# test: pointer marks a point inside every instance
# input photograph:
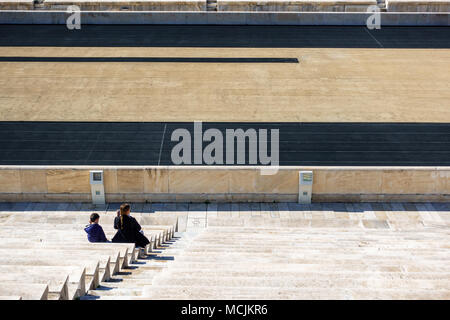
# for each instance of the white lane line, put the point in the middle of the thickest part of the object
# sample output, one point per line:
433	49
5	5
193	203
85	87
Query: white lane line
162	142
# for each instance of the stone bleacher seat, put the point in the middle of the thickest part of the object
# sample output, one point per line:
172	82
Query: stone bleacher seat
296	5
58	262
418	5
76	283
25	291
232	5
123	5
58	283
16	4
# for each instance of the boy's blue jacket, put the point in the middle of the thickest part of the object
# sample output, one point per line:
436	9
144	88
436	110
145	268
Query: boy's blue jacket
95	233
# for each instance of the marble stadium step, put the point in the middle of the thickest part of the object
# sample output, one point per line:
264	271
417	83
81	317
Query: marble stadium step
125	284
108	291
234	231
299	274
302	251
319	242
230	5
26	291
228	258
135	282
309	247
252	293
76	276
286	282
58	287
307	250
128	283
65	236
94	272
312	267
127	252
350	262
109	261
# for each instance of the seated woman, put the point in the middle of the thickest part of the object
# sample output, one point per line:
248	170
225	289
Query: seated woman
128	229
94	230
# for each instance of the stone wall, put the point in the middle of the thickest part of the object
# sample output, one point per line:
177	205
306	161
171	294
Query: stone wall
295	5
16	4
108	5
200	184
300	6
418	5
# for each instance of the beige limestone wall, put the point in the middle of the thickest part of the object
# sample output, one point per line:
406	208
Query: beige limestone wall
295	5
167	183
122	5
16	4
418	5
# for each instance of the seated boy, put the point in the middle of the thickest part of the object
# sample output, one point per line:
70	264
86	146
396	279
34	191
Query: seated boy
94	230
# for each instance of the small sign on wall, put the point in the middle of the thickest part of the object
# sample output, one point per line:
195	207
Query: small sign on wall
97	187
305	187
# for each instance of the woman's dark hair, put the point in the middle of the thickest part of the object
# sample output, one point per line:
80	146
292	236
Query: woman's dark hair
94	217
124	208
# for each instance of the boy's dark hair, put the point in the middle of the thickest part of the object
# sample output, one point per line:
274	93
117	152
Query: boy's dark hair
94	217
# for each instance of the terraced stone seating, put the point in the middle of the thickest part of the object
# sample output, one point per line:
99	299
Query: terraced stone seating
230	5
16	4
418	5
306	263
295	5
123	5
46	255
244	251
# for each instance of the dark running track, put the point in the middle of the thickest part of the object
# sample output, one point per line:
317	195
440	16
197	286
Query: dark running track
224	36
318	144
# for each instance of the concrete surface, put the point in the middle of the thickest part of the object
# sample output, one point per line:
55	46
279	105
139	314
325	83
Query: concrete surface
343	75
